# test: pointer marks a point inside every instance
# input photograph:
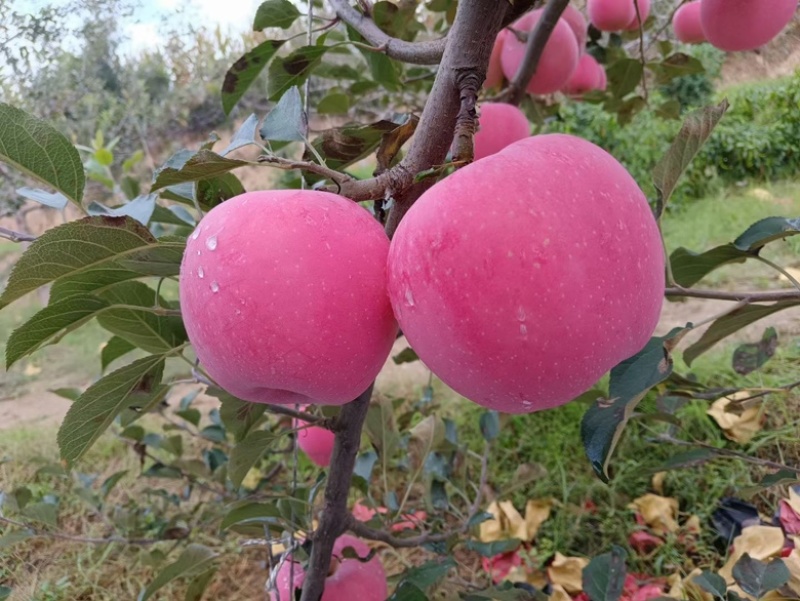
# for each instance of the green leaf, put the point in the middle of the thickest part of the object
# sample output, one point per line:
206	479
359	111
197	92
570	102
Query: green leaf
334	103
783	476
115	348
293	70
40	150
694	132
503	592
140	208
490	425
429	573
765	231
5	591
675	65
198	586
43	513
712	583
733	322
407	355
244	71
624	75
71	394
604	577
215	190
757	578
493	548
247	453
604	421
111	482
751	356
286	122
142	328
406	591
275	13
194	560
54	200
381	427
80	256
12	538
244	136
691	458
238	416
51	323
249	513
191	165
381	67
93	412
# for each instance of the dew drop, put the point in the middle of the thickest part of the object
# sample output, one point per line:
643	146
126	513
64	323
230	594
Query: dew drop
409	297
196	234
214	287
523	329
211	243
521	313
200	272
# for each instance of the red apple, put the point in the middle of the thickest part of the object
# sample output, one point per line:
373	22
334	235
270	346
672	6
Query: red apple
348	579
558	61
522	278
494	72
314	441
586	77
686	23
732	25
611	15
499	125
577	23
283	294
644	12
602	78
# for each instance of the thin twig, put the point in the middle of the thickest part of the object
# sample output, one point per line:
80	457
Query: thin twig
728	453
336	177
749	296
641	47
80	539
15	236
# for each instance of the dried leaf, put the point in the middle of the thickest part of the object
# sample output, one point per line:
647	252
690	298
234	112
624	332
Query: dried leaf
559	594
692	525
760	542
658	512
738	426
507	523
792	562
686	588
567	572
536	513
789	518
657	482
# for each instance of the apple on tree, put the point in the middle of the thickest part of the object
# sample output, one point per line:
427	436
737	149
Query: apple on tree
587	77
732	25
686	23
316	442
611	15
499	125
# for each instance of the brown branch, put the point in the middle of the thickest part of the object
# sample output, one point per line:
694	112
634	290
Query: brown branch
726	453
416	53
749	296
467	119
15	236
80	539
287	164
533	51
641	47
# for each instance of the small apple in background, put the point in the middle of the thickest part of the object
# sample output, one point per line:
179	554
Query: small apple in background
283	294
494	72
576	21
644	12
686	23
602	78
611	15
548	273
348	579
314	441
499	124
733	25
557	63
586	77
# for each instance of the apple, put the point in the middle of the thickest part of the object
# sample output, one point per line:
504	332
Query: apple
522	278
602	78
573	17
732	25
348	579
686	23
499	125
644	12
494	72
611	15
316	442
283	294
558	61
586	77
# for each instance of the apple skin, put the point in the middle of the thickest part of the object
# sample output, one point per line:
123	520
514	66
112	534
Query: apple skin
494	72
586	77
351	581
733	25
499	125
316	442
577	23
521	279
644	12
558	61
686	23
602	78
611	15
283	294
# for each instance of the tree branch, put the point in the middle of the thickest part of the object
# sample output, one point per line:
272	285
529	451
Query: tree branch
81	539
533	52
416	53
336	177
749	296
15	236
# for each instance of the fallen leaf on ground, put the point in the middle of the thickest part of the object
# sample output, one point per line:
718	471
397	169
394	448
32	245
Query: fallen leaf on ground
739	426
536	513
793	563
567	572
686	588
760	542
507	523
643	542
499	566
658	512
559	594
657	482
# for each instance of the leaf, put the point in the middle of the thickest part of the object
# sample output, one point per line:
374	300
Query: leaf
54	200
604	577
712	583
190	165
757	578
732	322
14	537
5	591
198	586
335	103
194	560
603	423
70	394
407	355
429	573
381	427
237	416
365	462
275	13
96	408
115	348
52	322
567	572
490	425
142	328
493	548
251	513
244	136
215	190
44	513
110	482
766	230
40	150
751	356
392	141
406	591
293	70
694	132
691	458
140	208
81	256
286	122
624	75
675	65
244	71
246	454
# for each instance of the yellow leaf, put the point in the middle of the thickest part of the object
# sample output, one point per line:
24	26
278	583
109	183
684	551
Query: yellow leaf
536	513
657	482
658	512
793	563
760	542
692	524
740	426
567	572
525	574
559	594
507	523
687	588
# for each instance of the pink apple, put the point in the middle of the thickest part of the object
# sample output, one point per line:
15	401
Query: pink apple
283	294
602	78
314	441
611	15
348	579
686	23
494	72
577	23
558	61
644	12
586	77
732	25
499	125
522	278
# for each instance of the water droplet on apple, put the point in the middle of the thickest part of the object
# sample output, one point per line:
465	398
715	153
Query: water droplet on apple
211	243
523	329
214	287
200	272
409	297
196	234
521	313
